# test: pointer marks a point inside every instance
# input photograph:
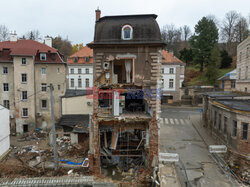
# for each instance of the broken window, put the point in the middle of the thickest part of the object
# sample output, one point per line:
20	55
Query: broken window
6	103
25	128
225	124
123	71
234	128
244	131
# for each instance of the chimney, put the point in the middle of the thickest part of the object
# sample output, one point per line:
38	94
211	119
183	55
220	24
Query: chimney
13	37
48	41
97	14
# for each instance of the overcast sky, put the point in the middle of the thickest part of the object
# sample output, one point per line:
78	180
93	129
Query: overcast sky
75	18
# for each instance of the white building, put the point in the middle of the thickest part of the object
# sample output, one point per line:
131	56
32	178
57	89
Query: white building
172	77
5	131
80	69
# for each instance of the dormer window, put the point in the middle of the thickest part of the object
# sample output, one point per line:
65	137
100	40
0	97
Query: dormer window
43	56
127	32
75	59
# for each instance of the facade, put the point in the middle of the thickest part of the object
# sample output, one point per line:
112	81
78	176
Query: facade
126	108
5	131
172	77
28	68
228	81
243	66
80	69
228	120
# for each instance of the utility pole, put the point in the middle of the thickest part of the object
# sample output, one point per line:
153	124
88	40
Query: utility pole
53	126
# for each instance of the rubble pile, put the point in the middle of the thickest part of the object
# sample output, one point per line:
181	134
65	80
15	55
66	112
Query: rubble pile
36	158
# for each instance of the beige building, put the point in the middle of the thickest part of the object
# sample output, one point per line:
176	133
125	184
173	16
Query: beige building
172	71
227	81
28	68
243	66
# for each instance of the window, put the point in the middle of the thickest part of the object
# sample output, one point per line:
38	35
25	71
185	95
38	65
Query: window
44	104
58	86
232	84
72	83
239	73
247	52
162	83
127	32
5	70
24	77
25	128
23	61
79	71
5	87
171	70
25	112
234	128
87	70
240	56
44	87
244	131
24	95
71	71
162	70
43	71
79	83
87	59
225	125
245	89
6	103
219	122
75	59
58	70
171	83
87	83
43	56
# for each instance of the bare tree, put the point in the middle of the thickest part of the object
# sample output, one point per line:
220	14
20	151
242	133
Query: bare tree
33	35
186	32
241	29
214	19
4	33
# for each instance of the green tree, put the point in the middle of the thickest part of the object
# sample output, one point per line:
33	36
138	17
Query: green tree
63	45
226	60
212	67
203	41
77	47
186	55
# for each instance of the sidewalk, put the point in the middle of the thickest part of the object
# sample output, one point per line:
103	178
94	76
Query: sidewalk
204	133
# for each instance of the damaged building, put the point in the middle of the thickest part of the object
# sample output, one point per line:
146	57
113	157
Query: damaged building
124	126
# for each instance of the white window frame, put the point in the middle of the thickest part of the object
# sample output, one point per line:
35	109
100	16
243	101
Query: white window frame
87	81
43	55
131	32
171	70
6	87
43	71
87	70
5	70
23	77
23	112
44	85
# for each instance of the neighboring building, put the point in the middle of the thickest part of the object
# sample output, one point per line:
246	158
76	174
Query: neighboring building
124	127
227	82
28	68
227	116
243	66
76	108
80	69
5	131
172	70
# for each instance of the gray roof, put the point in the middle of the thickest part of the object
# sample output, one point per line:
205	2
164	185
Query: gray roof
75	93
221	94
243	105
145	30
76	123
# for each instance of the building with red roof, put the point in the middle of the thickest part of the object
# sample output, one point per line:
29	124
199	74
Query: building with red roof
28	68
80	69
172	77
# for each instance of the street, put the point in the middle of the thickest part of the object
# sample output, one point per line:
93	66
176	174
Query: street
177	135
